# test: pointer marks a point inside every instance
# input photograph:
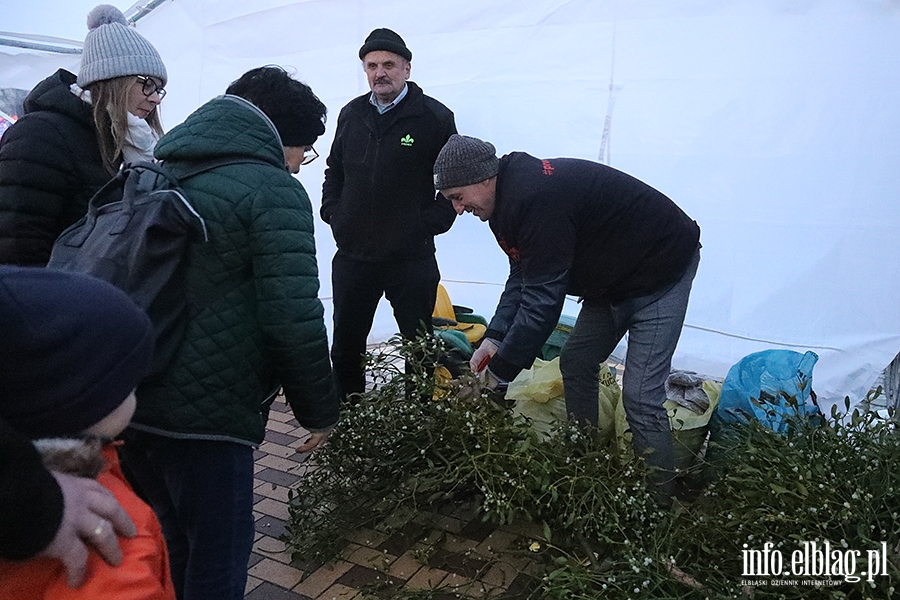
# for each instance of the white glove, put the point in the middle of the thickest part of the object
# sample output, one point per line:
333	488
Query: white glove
483	355
492	382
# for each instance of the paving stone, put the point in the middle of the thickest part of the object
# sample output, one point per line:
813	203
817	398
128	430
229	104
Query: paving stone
405	566
520	587
433	538
270	507
268	545
300	457
454	581
467	512
467	566
277	477
358	576
368	557
280	406
448	523
279	463
281	438
368	537
280	427
477	530
272	571
273	491
339	592
426	578
252	582
459	545
271	526
526	529
468	588
323	578
402	540
277	449
270	591
281	417
254	558
498	541
500	574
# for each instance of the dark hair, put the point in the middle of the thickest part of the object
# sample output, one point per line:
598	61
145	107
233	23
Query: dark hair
298	115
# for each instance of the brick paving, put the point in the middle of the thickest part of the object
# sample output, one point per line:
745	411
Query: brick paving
454	552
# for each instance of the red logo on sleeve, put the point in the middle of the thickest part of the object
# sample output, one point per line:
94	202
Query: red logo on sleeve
548	168
513	253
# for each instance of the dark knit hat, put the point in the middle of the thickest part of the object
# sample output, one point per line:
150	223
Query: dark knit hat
385	39
114	49
72	348
463	161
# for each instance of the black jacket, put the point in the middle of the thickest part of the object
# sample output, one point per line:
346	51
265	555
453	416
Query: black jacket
378	194
576	227
50	166
31	502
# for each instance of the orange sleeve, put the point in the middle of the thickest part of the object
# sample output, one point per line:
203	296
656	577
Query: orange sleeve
143	575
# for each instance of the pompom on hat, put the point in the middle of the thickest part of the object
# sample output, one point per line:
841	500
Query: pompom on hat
385	39
72	348
114	49
463	161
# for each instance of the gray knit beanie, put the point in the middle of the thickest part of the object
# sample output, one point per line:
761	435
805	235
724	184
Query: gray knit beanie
463	161
113	49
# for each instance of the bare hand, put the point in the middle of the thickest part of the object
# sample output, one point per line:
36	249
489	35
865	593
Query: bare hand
91	516
315	440
483	355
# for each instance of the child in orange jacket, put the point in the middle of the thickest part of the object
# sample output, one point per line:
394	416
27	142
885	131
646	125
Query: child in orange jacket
73	350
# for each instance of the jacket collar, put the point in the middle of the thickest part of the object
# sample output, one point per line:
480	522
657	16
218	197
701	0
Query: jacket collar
413	105
53	95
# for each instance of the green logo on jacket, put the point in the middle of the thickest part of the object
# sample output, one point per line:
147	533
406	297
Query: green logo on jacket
406	140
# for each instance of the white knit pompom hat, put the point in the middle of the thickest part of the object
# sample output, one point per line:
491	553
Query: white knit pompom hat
113	49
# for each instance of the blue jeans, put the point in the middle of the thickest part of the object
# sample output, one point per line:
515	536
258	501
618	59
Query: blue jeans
654	325
202	493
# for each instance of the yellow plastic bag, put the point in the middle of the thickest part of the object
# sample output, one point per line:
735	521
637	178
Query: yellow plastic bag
540	397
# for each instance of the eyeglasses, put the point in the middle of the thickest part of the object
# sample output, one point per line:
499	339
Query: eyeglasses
309	156
149	87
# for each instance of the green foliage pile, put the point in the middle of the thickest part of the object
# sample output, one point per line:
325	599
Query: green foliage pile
394	457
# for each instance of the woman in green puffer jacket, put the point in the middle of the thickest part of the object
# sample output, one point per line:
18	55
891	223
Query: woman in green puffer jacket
256	327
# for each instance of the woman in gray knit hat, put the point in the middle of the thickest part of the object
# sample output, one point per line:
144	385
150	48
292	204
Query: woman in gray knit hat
75	134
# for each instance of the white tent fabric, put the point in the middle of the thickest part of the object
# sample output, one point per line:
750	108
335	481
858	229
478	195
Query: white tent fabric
773	123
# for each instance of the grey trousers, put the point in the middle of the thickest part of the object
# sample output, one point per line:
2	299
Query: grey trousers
653	324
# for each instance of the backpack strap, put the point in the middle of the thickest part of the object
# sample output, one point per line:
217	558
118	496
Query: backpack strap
197	167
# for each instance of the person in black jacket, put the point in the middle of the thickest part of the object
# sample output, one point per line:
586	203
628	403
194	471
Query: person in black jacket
74	135
379	199
572	226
